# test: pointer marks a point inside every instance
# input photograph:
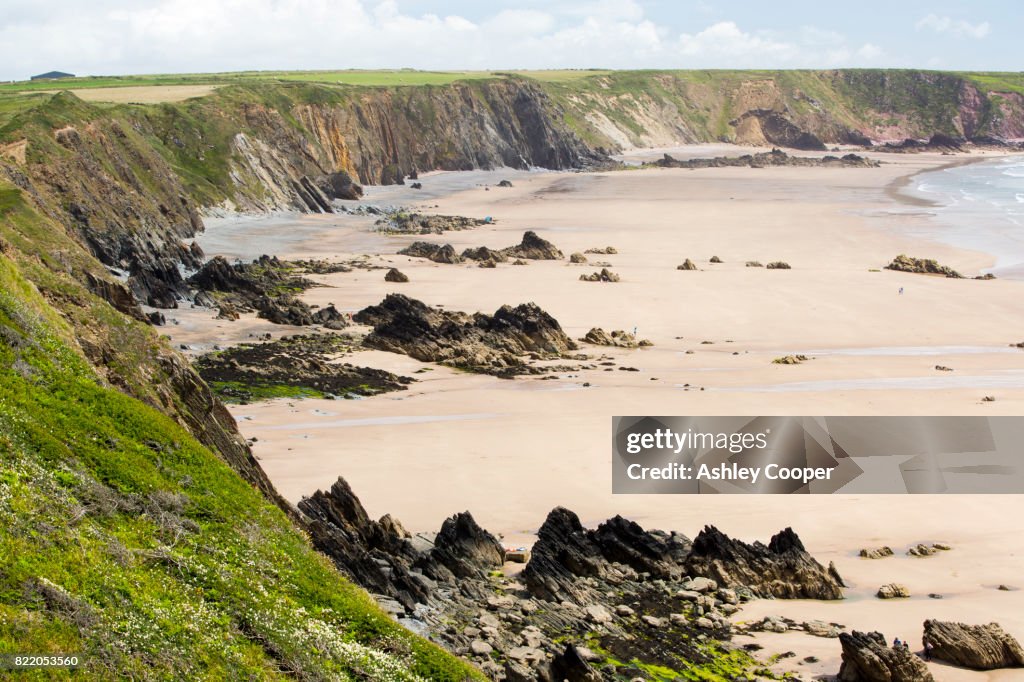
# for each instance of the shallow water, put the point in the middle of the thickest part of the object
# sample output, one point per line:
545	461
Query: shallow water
980	207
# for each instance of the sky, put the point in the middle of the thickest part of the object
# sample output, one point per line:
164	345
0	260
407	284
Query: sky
117	37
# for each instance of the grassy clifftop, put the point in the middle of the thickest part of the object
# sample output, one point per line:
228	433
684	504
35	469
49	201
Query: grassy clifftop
127	541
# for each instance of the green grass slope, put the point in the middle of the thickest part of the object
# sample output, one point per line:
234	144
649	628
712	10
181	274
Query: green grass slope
124	540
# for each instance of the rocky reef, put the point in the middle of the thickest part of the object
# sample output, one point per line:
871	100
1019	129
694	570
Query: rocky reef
403	222
266	286
867	657
293	366
775	157
978	647
611	603
500	344
923	266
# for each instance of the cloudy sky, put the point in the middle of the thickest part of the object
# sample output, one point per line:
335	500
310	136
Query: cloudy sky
108	37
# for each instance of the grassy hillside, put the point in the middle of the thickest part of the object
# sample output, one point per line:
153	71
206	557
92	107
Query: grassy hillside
126	541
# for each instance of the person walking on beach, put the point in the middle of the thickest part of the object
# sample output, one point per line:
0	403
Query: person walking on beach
928	650
901	291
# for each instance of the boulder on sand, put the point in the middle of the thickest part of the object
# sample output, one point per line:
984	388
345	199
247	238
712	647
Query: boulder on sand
687	265
605	275
532	247
395	275
867	657
978	647
432	252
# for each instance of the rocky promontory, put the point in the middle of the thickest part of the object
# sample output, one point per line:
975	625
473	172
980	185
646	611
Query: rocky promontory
867	657
611	603
978	647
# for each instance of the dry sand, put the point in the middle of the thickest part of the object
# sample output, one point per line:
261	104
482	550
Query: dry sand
511	450
140	94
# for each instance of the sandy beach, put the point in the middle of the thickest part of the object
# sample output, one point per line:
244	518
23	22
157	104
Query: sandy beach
511	450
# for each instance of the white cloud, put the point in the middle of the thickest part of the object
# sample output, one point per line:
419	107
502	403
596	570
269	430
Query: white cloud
956	27
168	36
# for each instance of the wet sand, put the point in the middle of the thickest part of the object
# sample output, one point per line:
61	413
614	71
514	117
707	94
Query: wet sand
511	450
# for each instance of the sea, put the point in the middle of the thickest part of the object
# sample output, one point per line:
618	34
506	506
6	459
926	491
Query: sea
979	206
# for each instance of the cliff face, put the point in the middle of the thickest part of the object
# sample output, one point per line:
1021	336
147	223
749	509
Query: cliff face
789	108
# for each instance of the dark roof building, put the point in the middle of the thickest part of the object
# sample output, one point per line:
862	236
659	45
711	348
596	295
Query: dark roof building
51	75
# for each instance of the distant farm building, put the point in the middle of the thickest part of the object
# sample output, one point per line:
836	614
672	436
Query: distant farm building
52	75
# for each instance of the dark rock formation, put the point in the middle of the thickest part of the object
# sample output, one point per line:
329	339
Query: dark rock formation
618	338
778	265
775	157
249	371
783	569
339	185
505	183
978	647
577	258
419	223
868	658
494	344
433	252
484	254
687	265
532	247
924	266
395	275
607	250
604	275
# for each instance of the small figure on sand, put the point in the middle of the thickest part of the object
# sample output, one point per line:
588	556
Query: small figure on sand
901	291
634	331
928	650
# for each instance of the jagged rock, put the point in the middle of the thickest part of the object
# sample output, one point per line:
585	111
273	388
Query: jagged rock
404	222
577	258
687	265
876	553
617	338
754	264
923	550
605	275
156	318
925	266
532	247
484	255
782	569
868	658
893	591
778	265
978	647
607	250
790	360
395	275
339	186
493	344
433	252
466	549
571	667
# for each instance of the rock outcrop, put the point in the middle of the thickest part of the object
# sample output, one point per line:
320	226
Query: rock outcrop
603	275
868	658
533	247
924	266
687	265
500	344
978	647
395	275
251	371
782	569
433	252
402	222
618	338
263	286
485	255
775	157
